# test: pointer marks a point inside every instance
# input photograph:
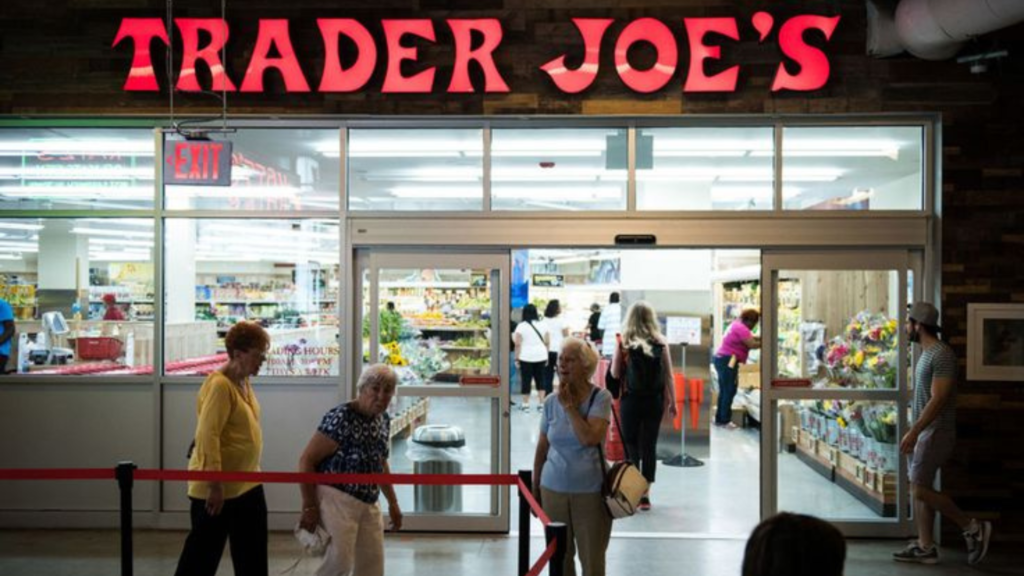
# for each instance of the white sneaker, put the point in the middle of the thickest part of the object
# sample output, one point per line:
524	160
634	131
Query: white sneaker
978	535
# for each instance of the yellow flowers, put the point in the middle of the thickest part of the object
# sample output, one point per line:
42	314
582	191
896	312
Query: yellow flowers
858	358
842	422
394	357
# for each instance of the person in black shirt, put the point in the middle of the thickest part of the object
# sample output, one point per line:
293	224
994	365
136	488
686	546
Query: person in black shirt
593	332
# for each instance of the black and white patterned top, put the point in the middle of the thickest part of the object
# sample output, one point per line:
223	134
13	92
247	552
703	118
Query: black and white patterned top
939	361
363	448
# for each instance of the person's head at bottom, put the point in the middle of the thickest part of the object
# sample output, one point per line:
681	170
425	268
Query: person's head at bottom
375	389
794	545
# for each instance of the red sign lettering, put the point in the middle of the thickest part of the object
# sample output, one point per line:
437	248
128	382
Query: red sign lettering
697	80
142	31
484	55
274	33
575	81
335	79
218	31
394	30
814	66
658	35
811	63
199	164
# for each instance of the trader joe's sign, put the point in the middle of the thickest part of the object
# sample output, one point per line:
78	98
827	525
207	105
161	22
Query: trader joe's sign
802	66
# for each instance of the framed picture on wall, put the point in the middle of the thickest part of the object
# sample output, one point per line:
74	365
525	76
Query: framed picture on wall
995	342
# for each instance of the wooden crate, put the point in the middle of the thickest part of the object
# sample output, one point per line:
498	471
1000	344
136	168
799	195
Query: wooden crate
849	464
807	442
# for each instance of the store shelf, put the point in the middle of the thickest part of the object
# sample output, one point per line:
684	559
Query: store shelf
448	329
466	348
881	502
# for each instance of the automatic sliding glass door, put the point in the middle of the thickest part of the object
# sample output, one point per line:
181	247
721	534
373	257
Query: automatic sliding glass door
439	320
835	402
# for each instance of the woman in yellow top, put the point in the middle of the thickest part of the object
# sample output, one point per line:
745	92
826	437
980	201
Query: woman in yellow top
228	438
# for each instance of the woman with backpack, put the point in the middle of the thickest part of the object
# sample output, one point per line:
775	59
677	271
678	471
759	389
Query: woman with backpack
531	340
643	364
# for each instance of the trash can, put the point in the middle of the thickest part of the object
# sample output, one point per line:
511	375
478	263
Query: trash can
438	449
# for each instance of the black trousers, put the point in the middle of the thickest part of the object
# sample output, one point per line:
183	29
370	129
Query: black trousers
243	521
532	372
549	372
641	419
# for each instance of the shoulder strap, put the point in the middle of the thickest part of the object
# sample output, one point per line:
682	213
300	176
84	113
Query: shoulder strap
538	334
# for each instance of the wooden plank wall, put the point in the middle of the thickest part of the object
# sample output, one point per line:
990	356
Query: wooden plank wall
56	58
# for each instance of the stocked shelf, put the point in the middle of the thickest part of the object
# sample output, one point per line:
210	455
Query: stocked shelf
874	487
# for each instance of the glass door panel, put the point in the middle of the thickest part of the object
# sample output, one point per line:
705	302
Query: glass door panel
435	318
834	344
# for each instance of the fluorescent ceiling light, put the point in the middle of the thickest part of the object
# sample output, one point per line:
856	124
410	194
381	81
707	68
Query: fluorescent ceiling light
98	192
232	192
19	246
10	257
272	231
108	232
76	172
20	226
119	256
64	146
145	223
427	192
121	242
577	194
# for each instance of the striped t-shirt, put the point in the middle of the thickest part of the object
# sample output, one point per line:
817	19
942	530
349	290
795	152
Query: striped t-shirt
938	361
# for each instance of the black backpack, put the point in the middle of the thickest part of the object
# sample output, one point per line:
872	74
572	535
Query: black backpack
644	373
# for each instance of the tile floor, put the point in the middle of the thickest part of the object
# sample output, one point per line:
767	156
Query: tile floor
95	553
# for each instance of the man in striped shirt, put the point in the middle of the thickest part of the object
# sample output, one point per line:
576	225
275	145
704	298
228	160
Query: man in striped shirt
931	439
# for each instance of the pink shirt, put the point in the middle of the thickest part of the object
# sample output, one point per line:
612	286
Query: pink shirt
733	344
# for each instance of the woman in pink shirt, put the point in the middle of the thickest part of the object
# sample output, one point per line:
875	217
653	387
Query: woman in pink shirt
735	348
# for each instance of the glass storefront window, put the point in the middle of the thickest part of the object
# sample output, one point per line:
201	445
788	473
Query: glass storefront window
843	460
839	329
559	169
81	295
853	168
76	168
272	170
705	169
415	170
283	274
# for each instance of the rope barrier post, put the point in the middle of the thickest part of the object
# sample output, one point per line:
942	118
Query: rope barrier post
125	474
558	532
524	523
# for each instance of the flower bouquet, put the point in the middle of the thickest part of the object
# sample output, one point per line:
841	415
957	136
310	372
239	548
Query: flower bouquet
425	358
865	355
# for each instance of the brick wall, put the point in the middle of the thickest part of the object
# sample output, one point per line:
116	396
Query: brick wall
56	58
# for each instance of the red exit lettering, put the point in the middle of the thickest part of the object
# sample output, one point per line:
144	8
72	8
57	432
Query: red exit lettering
193	162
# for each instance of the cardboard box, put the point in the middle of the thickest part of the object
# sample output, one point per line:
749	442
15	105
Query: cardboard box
749	376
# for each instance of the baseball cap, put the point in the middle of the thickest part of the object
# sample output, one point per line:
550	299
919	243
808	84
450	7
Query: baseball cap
925	313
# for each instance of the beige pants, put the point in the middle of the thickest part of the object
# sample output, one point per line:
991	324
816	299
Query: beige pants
357	535
589	526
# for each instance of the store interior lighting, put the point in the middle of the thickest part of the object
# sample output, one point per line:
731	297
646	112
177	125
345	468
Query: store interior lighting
64	146
111	232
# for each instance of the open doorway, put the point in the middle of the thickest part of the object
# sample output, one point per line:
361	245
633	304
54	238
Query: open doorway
696	294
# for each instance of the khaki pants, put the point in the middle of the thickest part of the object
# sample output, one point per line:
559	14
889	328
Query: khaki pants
589	527
357	535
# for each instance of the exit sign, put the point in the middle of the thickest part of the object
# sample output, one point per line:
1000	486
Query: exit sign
198	163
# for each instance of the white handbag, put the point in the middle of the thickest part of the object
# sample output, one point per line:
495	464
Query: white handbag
623	484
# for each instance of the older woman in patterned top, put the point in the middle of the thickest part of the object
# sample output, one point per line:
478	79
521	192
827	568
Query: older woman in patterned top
352	438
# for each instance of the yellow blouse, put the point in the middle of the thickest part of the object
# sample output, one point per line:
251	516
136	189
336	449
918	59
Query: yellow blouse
228	434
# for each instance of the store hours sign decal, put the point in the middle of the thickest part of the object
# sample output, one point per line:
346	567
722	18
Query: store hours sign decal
802	67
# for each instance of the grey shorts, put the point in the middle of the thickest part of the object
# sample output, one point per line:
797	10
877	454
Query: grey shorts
932	451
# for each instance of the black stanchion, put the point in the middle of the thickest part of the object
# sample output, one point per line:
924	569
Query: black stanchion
125	474
524	523
558	532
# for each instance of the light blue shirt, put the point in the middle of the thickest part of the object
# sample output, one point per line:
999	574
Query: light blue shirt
571	467
6	313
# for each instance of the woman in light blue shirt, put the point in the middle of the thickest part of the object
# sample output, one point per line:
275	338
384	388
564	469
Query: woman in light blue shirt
567	468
